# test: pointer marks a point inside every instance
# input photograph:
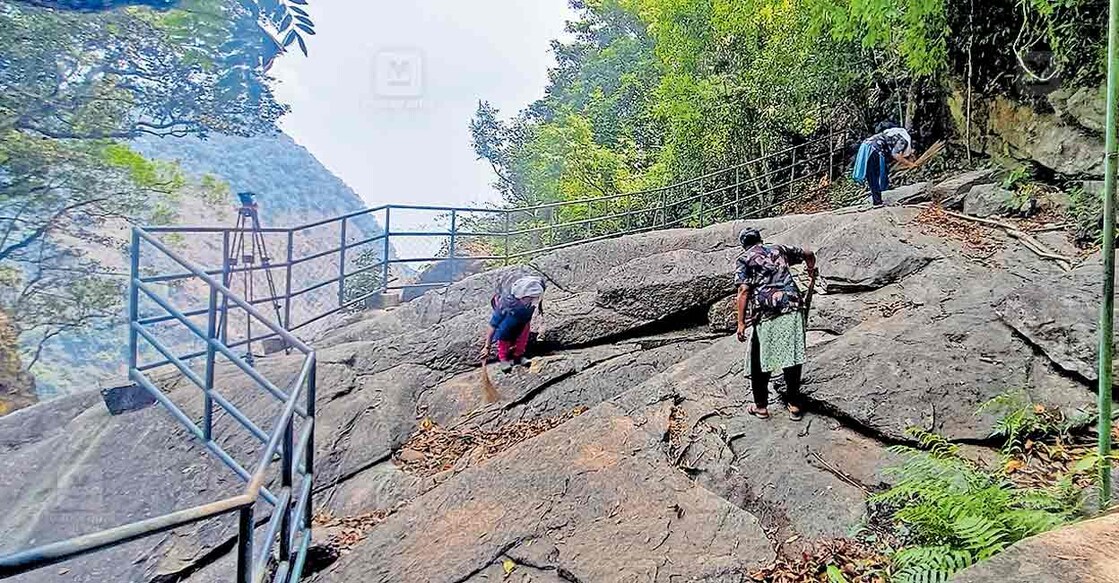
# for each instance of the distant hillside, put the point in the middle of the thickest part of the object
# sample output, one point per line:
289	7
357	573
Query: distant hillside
292	187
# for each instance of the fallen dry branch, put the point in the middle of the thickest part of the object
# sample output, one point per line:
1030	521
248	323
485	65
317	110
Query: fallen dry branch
1028	241
977	242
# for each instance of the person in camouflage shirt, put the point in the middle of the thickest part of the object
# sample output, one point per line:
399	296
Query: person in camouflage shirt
770	301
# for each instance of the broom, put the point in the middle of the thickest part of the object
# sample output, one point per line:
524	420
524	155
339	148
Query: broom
923	158
489	391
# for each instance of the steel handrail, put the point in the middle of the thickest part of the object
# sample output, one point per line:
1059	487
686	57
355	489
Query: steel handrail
645	205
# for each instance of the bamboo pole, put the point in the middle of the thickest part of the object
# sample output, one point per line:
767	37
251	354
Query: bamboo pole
1107	306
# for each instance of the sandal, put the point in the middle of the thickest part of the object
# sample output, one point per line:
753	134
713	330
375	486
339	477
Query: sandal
753	410
795	413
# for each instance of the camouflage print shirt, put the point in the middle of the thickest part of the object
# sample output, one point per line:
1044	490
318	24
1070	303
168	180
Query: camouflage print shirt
764	269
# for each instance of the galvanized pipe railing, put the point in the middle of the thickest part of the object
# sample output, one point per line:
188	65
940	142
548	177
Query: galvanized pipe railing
748	189
288	530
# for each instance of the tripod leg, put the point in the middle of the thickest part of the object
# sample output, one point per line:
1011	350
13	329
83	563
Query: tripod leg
233	251
266	260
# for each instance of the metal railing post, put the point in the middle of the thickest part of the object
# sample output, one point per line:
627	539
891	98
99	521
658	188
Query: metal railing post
553	220
507	228
211	335
286	453
287	282
245	544
737	192
133	303
225	281
342	266
793	169
451	244
702	196
309	449
385	251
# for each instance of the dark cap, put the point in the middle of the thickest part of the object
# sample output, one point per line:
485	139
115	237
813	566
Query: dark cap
749	237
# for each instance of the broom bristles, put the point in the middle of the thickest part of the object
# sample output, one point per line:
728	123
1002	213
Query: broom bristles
489	392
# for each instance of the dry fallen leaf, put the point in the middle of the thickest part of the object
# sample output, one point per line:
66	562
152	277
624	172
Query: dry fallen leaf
1013	466
508	566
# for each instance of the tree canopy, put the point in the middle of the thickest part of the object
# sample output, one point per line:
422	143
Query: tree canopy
75	88
652	91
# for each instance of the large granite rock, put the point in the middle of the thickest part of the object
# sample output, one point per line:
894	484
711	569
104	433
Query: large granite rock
952	191
598	501
1081	553
987	200
665	477
1084	106
1060	316
1003	128
909	194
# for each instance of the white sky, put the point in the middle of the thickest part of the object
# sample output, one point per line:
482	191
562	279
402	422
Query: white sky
393	141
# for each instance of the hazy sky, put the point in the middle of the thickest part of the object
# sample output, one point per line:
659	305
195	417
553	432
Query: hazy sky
385	98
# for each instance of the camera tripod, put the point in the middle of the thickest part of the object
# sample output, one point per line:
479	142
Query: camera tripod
246	246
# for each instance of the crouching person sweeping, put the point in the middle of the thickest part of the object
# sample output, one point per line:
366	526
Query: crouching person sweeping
770	302
510	324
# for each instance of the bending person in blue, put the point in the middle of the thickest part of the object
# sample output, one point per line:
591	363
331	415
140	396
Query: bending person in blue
513	308
890	144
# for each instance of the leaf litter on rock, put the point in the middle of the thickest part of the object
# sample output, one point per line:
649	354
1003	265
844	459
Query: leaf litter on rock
434	449
347	531
977	240
858	563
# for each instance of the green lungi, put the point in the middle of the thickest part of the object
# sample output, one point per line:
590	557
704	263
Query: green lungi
782	342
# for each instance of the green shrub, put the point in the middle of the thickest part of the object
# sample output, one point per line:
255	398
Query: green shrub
1085	212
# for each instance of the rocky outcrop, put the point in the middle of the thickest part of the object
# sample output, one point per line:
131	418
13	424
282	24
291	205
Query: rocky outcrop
952	190
1081	553
987	200
662	476
1005	130
1083	106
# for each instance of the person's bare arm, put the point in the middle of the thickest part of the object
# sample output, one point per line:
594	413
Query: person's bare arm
810	262
743	297
486	342
904	161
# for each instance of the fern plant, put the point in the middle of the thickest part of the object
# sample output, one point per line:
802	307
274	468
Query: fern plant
1020	420
954	513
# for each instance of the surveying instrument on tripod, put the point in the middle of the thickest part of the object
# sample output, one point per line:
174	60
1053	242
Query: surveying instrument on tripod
246	249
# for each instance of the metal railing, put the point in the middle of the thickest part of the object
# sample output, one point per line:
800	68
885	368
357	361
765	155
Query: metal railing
358	268
290	439
756	188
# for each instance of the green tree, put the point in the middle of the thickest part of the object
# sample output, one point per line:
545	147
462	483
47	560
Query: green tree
281	22
71	85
